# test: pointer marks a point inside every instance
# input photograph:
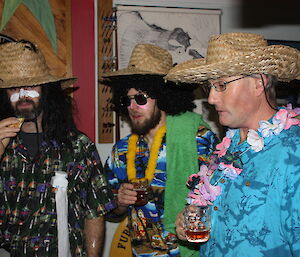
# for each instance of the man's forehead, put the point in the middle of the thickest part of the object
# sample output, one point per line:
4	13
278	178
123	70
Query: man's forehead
135	91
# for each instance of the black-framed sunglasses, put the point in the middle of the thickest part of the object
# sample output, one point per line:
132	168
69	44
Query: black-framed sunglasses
220	85
140	99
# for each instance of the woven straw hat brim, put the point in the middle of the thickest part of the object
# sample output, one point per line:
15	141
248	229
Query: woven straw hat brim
23	64
145	59
131	71
65	82
278	60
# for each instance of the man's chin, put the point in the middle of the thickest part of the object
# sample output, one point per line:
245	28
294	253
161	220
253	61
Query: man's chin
141	131
28	116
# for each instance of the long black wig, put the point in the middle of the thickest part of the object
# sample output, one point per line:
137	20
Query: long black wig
171	98
57	107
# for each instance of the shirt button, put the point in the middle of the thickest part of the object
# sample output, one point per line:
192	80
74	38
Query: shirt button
248	183
222	180
215	208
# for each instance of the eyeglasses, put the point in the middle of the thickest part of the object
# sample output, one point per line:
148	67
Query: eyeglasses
220	85
140	99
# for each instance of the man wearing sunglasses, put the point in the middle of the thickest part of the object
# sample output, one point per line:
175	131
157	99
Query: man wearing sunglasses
257	213
168	142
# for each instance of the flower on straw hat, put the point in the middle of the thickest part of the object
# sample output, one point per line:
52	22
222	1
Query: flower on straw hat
23	64
145	59
238	53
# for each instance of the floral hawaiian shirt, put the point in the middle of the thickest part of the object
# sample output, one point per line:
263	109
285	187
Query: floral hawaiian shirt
258	213
27	199
148	237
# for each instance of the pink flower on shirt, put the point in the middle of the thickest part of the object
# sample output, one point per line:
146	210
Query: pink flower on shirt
221	148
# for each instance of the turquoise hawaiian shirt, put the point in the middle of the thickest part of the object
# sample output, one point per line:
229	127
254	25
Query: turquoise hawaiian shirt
258	213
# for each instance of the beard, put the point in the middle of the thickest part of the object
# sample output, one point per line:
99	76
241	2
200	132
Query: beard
147	125
28	114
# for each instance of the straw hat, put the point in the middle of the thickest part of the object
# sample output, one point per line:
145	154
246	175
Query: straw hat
23	64
238	53
145	59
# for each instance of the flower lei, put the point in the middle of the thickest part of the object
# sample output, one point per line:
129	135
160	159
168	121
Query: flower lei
149	173
202	193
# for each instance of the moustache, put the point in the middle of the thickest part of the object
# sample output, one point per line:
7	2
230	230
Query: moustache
22	101
30	114
133	113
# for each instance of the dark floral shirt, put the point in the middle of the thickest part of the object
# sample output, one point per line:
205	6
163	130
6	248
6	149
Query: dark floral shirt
27	199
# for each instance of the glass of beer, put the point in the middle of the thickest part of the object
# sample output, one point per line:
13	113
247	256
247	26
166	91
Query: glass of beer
141	186
197	222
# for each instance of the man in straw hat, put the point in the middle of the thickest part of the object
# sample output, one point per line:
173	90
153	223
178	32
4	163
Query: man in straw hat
257	212
167	143
53	192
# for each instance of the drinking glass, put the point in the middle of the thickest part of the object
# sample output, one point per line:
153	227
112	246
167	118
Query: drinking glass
197	222
141	186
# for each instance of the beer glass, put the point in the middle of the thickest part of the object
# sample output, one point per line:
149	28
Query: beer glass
141	187
197	222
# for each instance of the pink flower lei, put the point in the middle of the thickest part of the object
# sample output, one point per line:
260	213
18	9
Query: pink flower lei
202	193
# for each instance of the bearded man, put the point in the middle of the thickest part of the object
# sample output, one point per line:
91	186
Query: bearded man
53	192
167	143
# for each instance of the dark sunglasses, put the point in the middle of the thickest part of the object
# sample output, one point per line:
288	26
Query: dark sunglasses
140	99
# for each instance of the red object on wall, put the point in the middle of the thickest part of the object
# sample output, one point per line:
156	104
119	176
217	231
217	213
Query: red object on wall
83	62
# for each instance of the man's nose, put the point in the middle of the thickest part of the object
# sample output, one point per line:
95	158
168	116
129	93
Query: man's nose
23	93
213	96
133	104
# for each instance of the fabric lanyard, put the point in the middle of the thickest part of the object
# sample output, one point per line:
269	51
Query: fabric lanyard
60	183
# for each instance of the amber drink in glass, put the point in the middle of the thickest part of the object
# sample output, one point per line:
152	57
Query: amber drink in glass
197	221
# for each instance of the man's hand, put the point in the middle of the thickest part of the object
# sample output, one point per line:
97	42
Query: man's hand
7	132
179	227
126	196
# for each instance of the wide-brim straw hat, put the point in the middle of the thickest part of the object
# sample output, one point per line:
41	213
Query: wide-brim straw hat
239	53
23	64
145	59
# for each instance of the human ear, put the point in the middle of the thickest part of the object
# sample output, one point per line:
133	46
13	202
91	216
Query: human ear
260	84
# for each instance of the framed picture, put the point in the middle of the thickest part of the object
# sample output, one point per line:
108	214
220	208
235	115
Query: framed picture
183	32
288	92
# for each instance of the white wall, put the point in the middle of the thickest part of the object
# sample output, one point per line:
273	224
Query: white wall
230	21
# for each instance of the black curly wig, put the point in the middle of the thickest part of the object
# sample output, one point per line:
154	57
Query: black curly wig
171	98
57	107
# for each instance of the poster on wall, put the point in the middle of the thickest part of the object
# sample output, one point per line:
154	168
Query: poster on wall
184	32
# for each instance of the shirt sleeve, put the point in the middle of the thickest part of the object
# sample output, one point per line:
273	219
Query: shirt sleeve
115	170
290	203
206	144
99	199
111	165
